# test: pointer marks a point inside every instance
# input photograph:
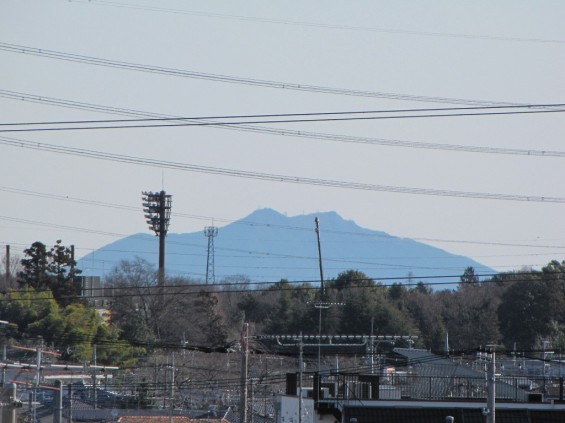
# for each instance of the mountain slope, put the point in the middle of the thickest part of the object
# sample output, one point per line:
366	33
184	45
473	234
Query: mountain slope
267	246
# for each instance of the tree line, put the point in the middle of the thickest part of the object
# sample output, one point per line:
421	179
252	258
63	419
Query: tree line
518	309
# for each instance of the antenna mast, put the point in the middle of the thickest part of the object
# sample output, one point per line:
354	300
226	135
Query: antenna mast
210	232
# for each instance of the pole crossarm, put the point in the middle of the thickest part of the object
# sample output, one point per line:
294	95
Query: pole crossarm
322	304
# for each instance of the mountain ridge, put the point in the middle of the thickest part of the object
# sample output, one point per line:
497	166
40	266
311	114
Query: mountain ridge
267	246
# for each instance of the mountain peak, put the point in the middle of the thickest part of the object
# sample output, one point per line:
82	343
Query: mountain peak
267	246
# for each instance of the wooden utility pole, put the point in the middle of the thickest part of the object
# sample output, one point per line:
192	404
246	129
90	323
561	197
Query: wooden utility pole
317	221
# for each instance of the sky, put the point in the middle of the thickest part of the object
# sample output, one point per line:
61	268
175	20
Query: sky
467	192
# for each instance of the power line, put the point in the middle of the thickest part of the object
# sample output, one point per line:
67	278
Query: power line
274	177
287	132
193	289
250	223
271	121
253	255
52	54
245	254
550	107
318	24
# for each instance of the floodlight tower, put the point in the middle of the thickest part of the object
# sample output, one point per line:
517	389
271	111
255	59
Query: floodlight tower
210	232
157	207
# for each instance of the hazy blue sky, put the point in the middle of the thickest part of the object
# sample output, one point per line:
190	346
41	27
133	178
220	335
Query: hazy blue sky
482	52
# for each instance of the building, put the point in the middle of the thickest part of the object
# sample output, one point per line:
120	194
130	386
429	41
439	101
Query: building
422	388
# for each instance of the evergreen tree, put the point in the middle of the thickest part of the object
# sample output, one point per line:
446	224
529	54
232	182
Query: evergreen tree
53	270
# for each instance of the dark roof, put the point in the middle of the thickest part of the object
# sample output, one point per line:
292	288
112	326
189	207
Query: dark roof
441	377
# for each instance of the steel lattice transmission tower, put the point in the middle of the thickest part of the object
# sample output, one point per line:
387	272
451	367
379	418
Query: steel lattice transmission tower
210	232
157	207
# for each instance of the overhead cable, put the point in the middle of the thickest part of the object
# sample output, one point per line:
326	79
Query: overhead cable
136	125
91	60
270	177
320	25
287	132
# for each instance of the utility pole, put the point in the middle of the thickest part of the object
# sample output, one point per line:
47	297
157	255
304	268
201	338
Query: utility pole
157	207
70	394
7	273
9	403
372	348
172	402
317	221
4	361
58	411
301	364
244	341
300	344
491	386
210	232
37	378
94	396
319	304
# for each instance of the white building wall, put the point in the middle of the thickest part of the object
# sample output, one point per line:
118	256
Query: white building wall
287	410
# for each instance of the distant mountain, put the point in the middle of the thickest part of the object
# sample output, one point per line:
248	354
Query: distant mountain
267	246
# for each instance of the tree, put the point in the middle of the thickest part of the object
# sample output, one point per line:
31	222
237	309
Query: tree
254	309
397	294
180	310
62	268
471	315
72	329
8	271
233	291
136	307
423	288
35	267
532	307
291	312
207	320
426	311
350	278
50	270
366	304
469	277
26	308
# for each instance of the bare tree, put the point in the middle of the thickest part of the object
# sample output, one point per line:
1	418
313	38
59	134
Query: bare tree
8	271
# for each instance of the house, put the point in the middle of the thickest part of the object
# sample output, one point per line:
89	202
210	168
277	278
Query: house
420	387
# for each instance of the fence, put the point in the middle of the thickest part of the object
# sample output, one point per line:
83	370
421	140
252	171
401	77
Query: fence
424	387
